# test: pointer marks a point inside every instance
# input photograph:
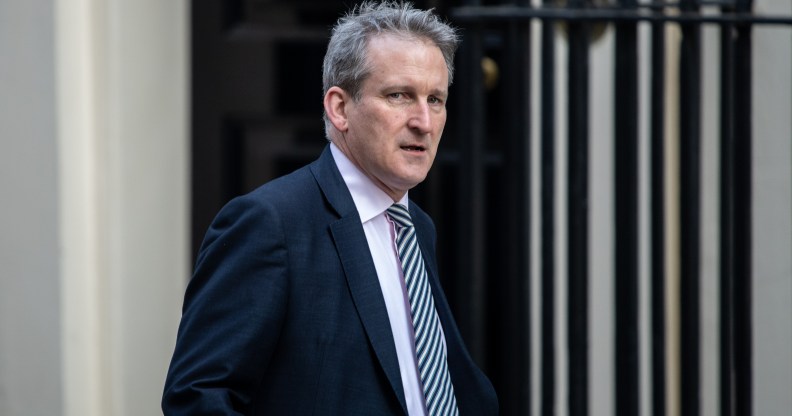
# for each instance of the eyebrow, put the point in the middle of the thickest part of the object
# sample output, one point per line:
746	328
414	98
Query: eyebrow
434	92
440	93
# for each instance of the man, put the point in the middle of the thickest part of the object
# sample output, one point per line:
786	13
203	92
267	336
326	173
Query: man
310	294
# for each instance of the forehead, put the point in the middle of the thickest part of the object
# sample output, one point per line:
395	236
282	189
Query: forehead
399	55
391	44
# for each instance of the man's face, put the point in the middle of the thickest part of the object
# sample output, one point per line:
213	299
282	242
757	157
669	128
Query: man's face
395	126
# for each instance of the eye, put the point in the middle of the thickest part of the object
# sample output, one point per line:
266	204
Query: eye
434	100
396	95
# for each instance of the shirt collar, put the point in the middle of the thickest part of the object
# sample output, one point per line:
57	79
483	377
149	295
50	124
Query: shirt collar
369	199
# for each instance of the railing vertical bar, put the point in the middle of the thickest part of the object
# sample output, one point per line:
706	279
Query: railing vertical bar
578	210
548	90
471	267
658	223
517	183
626	215
743	201
690	216
727	254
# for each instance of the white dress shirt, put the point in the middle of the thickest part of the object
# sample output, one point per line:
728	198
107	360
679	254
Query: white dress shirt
372	203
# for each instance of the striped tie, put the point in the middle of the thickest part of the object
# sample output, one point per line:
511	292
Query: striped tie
429	346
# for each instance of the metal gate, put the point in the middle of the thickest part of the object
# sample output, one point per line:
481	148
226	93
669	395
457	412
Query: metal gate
514	211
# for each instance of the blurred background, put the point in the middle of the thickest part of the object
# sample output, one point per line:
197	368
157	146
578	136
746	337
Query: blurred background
613	193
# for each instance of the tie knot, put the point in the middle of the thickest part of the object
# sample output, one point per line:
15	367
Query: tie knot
399	214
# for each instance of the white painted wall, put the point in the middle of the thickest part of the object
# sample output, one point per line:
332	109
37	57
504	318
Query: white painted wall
30	362
772	210
94	181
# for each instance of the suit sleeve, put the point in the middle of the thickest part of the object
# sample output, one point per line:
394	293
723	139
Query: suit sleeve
233	310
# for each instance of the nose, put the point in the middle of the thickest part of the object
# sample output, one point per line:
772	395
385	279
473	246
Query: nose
420	118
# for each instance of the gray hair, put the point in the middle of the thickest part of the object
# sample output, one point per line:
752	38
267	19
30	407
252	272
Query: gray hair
345	64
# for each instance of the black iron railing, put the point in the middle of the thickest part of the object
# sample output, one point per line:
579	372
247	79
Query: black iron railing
493	147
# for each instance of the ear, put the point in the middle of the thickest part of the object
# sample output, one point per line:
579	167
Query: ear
335	101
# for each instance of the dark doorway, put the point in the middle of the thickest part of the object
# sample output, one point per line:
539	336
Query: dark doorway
257	114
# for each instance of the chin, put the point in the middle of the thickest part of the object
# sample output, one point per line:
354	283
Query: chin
410	177
413	181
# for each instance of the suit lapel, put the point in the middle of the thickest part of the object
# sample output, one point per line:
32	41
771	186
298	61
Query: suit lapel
361	275
454	344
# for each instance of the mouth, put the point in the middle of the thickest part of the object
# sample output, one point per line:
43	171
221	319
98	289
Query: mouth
414	148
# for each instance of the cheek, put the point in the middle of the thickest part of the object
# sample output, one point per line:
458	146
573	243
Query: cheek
439	135
378	124
440	121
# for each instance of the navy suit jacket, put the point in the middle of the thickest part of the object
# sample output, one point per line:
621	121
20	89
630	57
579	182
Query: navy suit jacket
284	314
